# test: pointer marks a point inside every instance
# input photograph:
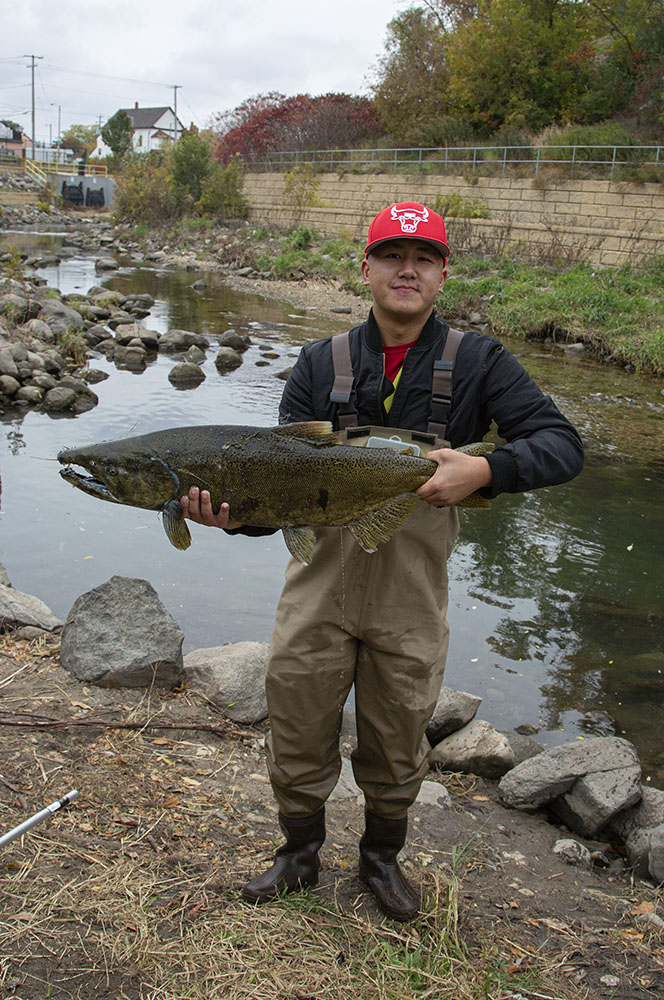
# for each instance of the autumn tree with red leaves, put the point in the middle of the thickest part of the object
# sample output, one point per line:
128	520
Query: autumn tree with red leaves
272	121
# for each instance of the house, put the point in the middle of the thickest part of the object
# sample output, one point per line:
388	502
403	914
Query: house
13	141
153	128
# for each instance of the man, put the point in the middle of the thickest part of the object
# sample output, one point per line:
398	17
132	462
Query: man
379	620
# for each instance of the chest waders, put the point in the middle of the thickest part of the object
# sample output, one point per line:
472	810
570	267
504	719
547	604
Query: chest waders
377	621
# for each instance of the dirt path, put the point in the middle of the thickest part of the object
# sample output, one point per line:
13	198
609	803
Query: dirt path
132	891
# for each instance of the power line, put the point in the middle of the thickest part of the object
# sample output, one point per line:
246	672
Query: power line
105	76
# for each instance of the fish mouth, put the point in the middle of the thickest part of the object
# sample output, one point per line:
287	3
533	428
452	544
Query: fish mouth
88	484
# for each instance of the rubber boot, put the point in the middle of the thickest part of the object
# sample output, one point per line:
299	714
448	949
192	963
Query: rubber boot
379	869
296	863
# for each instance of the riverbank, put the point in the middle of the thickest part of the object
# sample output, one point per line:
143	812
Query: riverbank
134	891
615	315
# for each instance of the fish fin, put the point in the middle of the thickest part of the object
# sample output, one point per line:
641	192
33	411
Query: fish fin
379	526
476	501
316	432
176	530
300	542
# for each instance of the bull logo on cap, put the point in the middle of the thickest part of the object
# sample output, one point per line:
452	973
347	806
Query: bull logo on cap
409	218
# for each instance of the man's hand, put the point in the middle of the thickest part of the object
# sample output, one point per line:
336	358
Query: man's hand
457	476
197	506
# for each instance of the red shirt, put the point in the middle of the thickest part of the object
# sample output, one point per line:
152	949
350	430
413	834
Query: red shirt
394	358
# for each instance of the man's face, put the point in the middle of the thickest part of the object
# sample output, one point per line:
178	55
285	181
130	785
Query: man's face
404	276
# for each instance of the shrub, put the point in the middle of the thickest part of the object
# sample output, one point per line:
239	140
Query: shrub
454	206
302	238
72	346
222	195
145	191
589	136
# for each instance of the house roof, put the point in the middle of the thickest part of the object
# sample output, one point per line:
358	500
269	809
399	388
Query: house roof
146	117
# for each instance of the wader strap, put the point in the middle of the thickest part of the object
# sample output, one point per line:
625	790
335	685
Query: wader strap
343	388
441	388
343	391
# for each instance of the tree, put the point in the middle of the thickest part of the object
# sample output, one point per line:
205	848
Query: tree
191	162
411	82
511	65
118	134
273	122
79	138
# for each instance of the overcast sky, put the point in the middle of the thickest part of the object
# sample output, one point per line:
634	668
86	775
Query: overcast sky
101	56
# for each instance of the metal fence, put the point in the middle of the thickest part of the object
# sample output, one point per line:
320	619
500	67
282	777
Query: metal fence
601	160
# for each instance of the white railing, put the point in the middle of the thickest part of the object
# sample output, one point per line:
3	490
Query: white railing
492	158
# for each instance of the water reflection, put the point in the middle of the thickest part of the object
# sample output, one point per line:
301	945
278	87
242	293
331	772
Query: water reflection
556	596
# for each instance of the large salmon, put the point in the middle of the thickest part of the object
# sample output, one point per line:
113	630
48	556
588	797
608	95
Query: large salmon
293	477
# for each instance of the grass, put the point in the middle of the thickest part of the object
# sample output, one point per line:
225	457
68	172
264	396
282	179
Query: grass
617	312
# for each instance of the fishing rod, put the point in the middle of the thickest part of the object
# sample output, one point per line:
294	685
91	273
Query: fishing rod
18	831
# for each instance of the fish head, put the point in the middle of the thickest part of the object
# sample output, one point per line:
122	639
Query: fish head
119	473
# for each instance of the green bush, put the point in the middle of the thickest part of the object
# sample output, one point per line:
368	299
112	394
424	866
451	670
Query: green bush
454	206
222	195
302	238
145	191
590	136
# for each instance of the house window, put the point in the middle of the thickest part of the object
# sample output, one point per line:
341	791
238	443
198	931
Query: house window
140	141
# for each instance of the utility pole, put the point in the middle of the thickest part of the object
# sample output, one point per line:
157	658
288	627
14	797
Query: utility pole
176	87
32	67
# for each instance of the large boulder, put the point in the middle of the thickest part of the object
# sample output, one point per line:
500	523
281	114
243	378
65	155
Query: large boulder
120	635
18	609
588	782
232	677
477	748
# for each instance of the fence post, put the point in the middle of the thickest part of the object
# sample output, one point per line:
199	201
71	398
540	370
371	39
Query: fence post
395	160
537	163
474	157
613	162
504	158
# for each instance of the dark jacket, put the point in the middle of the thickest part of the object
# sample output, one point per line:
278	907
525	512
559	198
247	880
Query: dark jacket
489	384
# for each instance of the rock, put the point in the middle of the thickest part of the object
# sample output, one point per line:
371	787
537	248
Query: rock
120	635
543	778
232	677
283	375
227	359
44	381
94	375
453	710
18	609
477	748
106	264
130	357
38	328
95	334
4	578
9	386
346	310
30	394
200	285
573	853
186	375
595	798
656	854
7	363
244	272
176	341
522	746
60	317
432	793
647	814
238	341
195	355
61	397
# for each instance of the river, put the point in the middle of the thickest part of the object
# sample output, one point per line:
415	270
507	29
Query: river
556	595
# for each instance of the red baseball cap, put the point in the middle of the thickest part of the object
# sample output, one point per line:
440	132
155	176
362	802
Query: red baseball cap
408	220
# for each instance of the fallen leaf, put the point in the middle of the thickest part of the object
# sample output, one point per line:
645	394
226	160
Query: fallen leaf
644	907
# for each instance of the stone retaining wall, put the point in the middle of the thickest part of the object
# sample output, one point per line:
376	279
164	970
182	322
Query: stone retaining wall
599	221
19	198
